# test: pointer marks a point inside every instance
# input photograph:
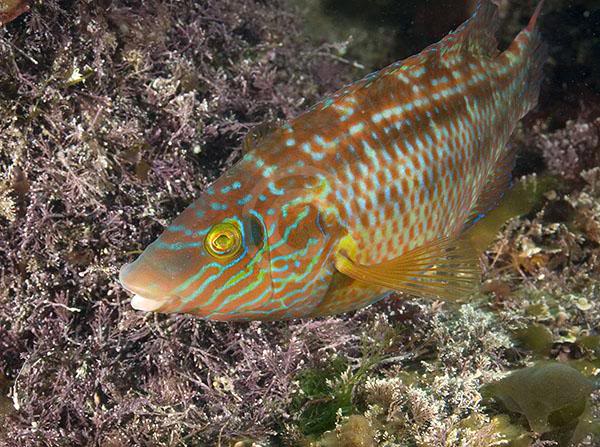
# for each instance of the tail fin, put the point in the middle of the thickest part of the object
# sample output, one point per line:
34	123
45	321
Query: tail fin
533	53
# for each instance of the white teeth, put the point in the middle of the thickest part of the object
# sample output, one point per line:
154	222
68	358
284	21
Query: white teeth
141	303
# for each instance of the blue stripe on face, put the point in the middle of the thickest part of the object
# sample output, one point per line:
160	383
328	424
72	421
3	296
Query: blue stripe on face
177	245
218	206
251	268
245	200
290	228
250	271
274	190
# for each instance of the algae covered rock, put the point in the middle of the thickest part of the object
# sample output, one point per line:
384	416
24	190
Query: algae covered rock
553	397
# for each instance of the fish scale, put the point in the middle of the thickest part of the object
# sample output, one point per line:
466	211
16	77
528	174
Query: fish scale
369	191
417	156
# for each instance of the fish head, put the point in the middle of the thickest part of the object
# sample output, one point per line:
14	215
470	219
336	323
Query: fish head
250	247
212	257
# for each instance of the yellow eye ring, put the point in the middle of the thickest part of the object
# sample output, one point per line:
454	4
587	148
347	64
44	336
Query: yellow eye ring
223	240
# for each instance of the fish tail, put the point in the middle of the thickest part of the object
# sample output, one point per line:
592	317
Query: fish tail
532	52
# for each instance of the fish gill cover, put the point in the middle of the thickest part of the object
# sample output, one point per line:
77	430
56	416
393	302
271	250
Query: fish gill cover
114	114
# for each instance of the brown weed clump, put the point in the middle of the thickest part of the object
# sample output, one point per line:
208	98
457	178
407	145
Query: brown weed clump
113	115
569	151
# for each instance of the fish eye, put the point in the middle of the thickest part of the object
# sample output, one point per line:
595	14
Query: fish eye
223	240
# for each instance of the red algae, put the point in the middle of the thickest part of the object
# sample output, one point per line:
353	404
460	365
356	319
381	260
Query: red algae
113	115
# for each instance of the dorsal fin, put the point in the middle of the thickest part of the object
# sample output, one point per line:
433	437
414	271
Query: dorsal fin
532	25
529	47
257	134
476	35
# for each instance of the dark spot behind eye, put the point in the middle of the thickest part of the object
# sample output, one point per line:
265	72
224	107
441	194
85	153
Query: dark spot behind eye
254	230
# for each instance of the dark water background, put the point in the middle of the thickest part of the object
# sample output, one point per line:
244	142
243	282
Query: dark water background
386	30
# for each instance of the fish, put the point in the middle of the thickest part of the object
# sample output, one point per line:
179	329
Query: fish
375	189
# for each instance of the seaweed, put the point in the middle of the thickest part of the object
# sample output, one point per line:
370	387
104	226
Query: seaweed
356	431
114	115
553	397
323	394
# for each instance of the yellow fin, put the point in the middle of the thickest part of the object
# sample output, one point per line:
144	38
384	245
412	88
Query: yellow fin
445	268
524	196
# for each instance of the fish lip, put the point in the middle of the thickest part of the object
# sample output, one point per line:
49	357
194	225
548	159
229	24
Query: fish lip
134	288
139	302
122	277
143	299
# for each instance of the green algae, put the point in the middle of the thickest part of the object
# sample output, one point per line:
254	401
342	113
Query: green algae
356	431
554	399
590	342
326	393
538	310
522	198
506	433
536	338
323	394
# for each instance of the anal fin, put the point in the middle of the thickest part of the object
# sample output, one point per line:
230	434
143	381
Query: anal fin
445	268
520	199
498	182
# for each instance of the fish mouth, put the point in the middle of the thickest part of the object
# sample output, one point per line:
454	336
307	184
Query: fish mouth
145	297
139	302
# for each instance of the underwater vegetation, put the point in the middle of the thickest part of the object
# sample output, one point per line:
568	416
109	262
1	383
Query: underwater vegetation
114	115
11	9
553	397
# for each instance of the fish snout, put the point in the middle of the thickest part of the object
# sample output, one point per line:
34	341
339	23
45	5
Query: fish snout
146	286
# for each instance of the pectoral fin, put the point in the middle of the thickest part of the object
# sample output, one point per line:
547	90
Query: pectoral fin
445	268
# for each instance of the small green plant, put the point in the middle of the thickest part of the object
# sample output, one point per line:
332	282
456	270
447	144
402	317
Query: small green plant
323	392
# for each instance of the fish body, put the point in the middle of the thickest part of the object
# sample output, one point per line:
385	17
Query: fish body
369	191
